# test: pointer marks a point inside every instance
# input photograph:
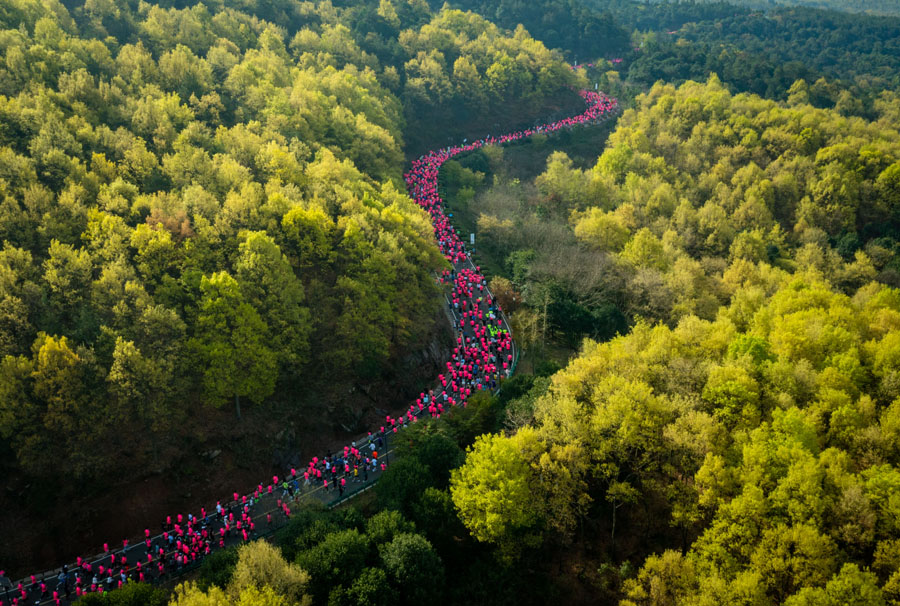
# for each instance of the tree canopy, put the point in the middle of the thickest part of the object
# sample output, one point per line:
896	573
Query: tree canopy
202	204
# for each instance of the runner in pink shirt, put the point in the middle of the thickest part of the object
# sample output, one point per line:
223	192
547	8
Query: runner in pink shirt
474	361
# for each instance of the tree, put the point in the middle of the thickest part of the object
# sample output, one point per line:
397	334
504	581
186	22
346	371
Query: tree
734	395
602	230
260	566
185	73
789	558
385	525
191	595
493	493
230	345
850	587
142	389
433	449
370	588
506	294
15	329
663	581
340	555
269	284
131	594
217	568
436	515
413	567
61	378
887	186
20	413
467	81
67	273
619	494
387	12
156	254
568	187
403	481
308	232
645	250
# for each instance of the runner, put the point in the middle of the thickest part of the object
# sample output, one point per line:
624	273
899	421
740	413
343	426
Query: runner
483	350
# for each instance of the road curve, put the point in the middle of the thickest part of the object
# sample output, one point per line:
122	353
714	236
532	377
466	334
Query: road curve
484	354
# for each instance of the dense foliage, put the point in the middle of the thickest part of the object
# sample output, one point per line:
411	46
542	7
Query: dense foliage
769	432
202	205
762	52
695	182
744	430
260	577
132	594
354	561
565	24
765	52
874	7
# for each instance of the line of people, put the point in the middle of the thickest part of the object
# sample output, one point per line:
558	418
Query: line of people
483	354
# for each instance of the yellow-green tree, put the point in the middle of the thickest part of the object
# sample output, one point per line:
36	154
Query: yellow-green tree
231	345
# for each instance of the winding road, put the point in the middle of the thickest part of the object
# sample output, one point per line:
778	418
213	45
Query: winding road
484	354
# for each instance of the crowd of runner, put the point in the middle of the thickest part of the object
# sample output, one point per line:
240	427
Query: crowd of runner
483	354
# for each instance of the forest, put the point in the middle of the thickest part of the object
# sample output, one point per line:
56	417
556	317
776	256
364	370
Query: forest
766	52
872	7
148	202
211	270
719	427
202	209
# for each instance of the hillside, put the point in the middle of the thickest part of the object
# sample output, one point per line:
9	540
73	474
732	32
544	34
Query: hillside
739	439
370	302
202	213
871	7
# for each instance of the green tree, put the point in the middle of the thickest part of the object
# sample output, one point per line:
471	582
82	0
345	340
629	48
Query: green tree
142	389
260	566
131	594
851	587
67	273
191	595
415	570
340	555
370	588
404	480
385	525
662	581
492	492
49	413
231	345
269	284
217	568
